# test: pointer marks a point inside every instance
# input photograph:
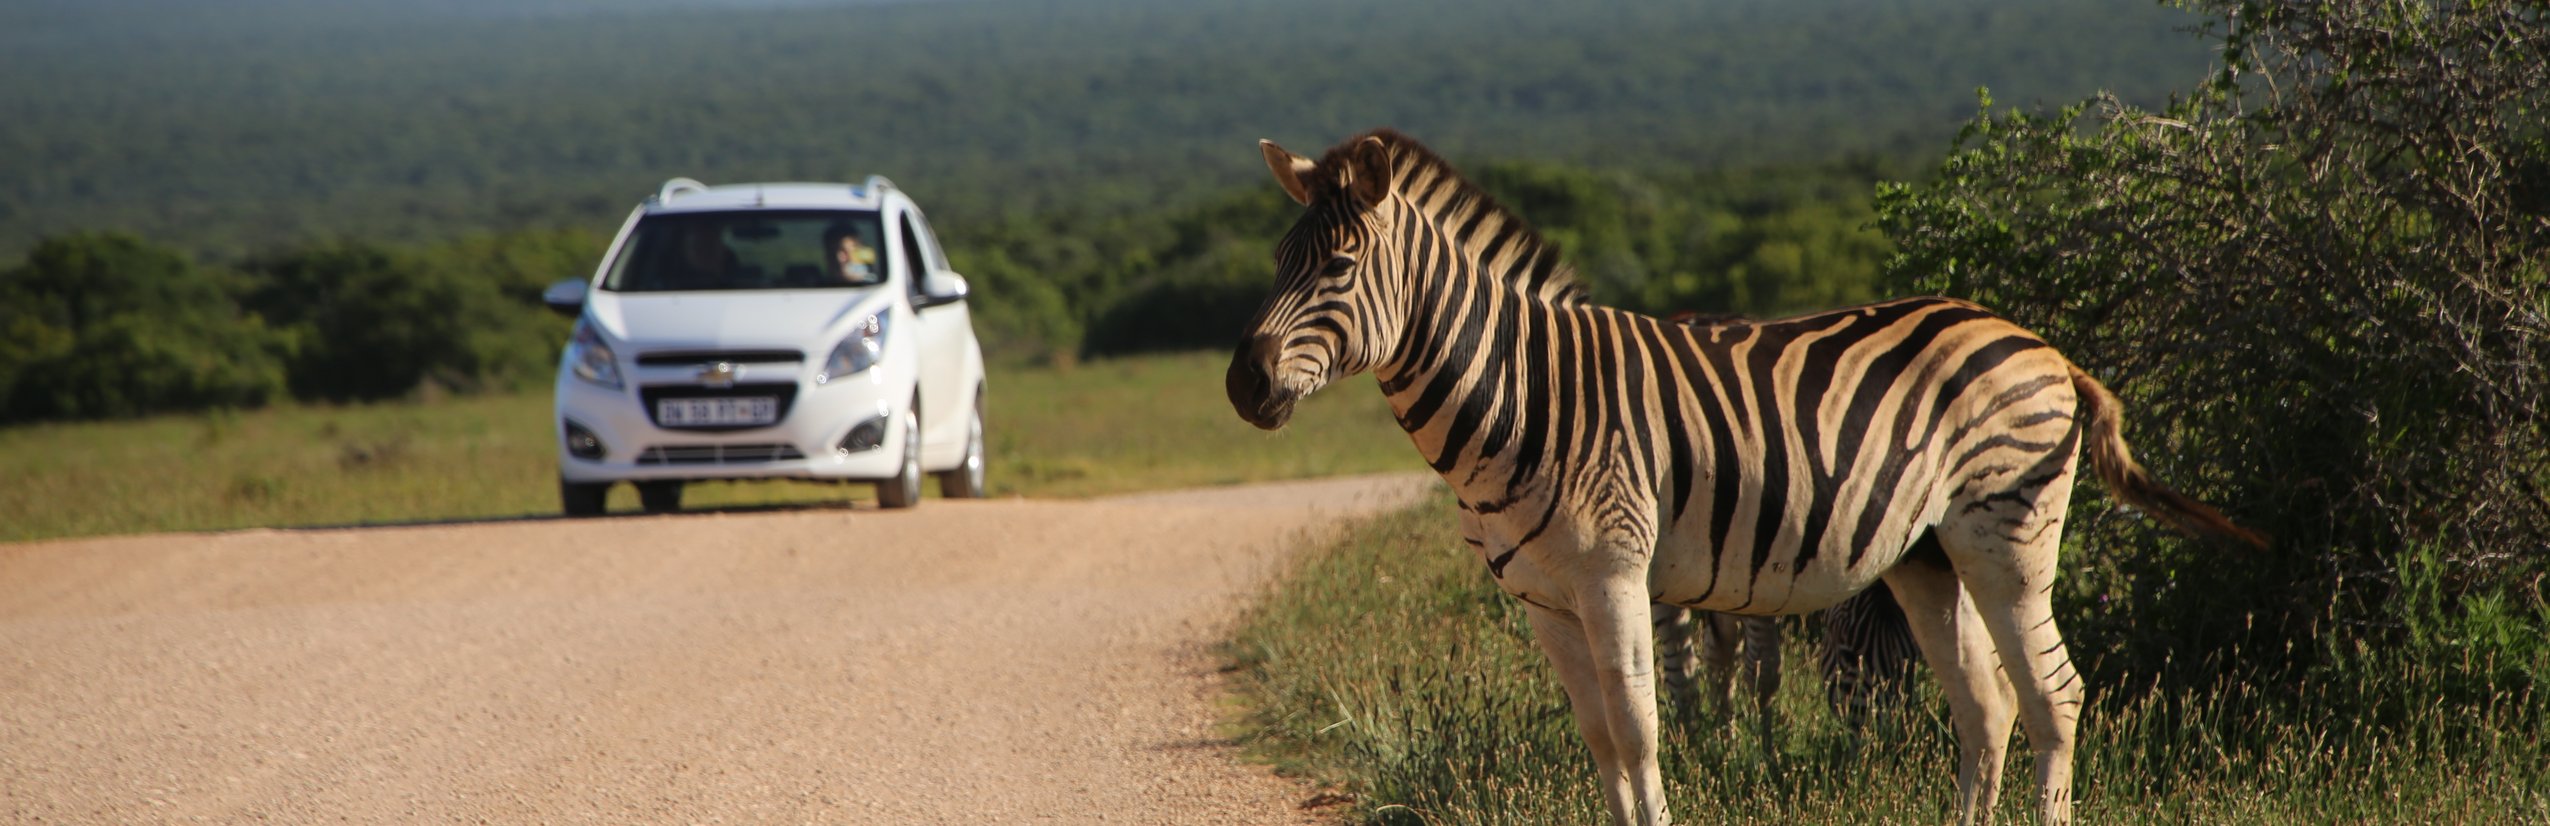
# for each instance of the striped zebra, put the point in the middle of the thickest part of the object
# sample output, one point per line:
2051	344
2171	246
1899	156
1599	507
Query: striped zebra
1690	643
1605	460
1866	660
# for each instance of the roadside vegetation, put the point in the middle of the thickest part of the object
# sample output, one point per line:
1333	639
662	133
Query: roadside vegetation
1388	666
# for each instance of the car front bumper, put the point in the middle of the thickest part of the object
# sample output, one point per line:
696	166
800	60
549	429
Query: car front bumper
813	438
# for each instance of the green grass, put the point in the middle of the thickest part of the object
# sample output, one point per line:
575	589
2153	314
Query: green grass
1095	428
1390	667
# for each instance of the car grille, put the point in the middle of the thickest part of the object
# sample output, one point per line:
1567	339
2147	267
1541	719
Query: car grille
703	358
786	392
718	454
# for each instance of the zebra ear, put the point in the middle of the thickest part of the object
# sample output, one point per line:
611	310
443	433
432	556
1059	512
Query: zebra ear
1289	169
1368	171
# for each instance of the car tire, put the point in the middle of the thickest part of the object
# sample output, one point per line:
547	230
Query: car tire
965	481
660	497
581	499
904	490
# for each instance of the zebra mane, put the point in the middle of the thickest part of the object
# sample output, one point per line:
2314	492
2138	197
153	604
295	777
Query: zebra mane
1503	240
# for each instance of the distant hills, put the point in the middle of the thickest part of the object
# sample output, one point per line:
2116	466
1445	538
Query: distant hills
228	128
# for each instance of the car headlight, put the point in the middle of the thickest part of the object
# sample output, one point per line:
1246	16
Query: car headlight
858	352
591	360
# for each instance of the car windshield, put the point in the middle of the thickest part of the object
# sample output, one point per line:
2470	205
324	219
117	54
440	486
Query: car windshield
755	250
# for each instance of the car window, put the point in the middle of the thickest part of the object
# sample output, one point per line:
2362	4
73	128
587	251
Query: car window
751	250
912	246
929	241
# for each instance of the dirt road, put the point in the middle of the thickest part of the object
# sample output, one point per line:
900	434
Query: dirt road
964	662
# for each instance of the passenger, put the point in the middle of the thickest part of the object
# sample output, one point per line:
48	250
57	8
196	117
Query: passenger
854	261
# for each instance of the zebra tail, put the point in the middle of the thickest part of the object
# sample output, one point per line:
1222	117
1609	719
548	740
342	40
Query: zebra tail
2127	479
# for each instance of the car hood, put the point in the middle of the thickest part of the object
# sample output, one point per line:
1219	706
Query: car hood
805	320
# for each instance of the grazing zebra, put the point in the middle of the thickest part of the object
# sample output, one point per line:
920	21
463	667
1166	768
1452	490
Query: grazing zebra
1606	460
1866	660
1688	640
1867	657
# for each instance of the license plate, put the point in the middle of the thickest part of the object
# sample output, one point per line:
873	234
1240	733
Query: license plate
740	410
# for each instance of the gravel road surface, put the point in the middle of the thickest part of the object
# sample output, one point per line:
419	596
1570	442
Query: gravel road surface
1004	661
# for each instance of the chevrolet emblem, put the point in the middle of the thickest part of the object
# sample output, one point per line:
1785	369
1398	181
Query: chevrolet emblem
720	374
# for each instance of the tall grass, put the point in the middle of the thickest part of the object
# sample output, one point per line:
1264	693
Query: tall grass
1390	667
1095	428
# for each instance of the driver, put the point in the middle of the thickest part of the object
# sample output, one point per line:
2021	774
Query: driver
705	256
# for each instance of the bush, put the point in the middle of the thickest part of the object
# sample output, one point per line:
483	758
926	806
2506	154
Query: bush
377	322
2319	281
106	325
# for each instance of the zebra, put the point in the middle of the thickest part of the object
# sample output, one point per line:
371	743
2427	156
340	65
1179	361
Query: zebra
1866	660
1688	640
1605	460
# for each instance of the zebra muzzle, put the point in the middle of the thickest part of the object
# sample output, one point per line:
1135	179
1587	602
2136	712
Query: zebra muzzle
1254	394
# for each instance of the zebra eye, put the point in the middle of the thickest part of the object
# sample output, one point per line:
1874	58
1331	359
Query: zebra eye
1338	264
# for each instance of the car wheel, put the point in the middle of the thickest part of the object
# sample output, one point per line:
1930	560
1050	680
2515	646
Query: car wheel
660	497
904	490
965	481
583	498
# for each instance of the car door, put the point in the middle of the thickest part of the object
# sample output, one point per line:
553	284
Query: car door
946	333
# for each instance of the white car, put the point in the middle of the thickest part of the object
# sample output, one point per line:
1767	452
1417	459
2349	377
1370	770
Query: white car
783	330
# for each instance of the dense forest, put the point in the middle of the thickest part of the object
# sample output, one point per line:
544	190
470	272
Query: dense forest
227	129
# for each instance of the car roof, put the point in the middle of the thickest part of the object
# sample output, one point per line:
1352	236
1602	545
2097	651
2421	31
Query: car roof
686	195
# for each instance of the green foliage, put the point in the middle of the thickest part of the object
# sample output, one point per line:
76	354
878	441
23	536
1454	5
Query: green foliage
269	122
1758	241
376	322
1388	666
110	326
1763	241
102	325
1102	200
2319	281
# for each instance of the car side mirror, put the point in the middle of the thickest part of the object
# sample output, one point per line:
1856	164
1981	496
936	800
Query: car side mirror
566	298
943	287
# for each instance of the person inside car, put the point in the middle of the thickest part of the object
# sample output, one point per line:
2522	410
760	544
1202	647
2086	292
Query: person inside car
855	262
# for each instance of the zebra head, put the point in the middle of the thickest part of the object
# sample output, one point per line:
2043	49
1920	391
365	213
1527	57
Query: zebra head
1333	312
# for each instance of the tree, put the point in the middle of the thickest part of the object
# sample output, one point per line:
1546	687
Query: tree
105	324
376	322
2319	281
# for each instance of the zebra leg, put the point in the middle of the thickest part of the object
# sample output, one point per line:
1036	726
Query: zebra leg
1676	634
1867	659
2008	562
1762	664
1720	639
1952	637
1615	707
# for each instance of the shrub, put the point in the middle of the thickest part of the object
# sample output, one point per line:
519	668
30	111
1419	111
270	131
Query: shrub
100	325
377	322
2319	280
